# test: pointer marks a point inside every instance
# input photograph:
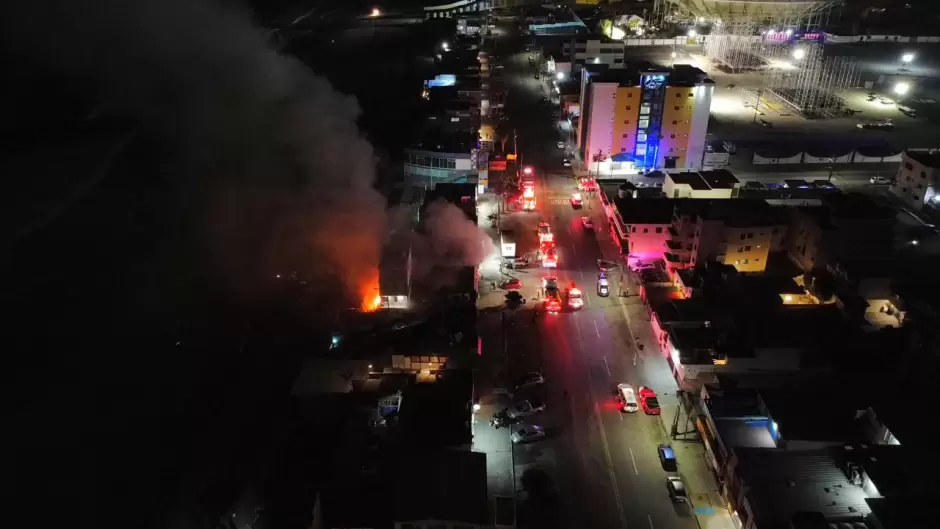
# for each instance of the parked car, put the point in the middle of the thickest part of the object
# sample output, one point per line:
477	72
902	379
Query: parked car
676	489
527	433
880	180
560	144
587	223
667	458
649	401
627	398
512	284
525	408
529	379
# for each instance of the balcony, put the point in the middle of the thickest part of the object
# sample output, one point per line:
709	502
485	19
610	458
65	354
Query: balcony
674	245
673	232
672	258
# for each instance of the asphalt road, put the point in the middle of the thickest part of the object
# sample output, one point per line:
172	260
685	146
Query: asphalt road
599	466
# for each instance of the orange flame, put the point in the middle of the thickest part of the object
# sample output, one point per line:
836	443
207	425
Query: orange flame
369	289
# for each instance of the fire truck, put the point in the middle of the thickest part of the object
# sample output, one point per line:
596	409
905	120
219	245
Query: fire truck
527	178
545	233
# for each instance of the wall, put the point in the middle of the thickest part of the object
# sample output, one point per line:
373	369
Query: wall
429	168
626	113
708	244
648	240
698	129
747	248
676	125
599	126
914	181
804	240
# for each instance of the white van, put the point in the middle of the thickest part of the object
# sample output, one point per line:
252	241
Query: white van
627	398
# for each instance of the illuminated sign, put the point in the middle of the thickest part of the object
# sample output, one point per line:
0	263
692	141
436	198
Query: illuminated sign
653	82
444	79
498	165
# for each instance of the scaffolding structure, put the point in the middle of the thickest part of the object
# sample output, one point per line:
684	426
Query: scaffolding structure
803	80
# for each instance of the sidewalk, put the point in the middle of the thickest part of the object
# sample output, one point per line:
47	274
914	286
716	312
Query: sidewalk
711	511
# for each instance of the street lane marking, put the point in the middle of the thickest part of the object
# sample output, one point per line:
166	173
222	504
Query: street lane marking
610	464
607	366
634	462
597	332
650	518
573	250
578	325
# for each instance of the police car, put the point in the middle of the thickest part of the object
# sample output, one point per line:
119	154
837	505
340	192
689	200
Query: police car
603	288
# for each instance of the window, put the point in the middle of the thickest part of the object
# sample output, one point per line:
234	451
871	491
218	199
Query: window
671	149
743	236
436	163
691	94
644	109
646	230
674	122
743	261
908	166
641	137
625	135
672	136
644	123
641	149
623	149
629	107
689	107
659	230
923	174
750	235
747	248
629	94
678	94
626	122
633	229
740	249
618	60
677	108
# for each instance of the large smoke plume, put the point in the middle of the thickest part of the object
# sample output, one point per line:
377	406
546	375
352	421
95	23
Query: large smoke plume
268	155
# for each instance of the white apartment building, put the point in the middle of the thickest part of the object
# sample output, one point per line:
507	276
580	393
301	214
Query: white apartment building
918	177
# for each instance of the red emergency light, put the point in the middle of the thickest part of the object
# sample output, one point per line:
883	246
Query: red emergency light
527	169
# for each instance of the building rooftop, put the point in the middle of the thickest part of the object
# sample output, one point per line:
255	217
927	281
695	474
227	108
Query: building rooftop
633	71
816	412
926	158
747	433
742	212
644	210
706	180
782	483
446	485
696	345
437	140
437	414
856	206
913	511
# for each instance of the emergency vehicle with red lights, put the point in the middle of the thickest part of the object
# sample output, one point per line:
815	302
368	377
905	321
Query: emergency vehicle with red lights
545	233
576	200
574	296
528	188
552	296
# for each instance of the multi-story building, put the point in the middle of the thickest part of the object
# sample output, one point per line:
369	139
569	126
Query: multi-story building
847	226
580	51
740	233
641	226
918	177
638	119
705	184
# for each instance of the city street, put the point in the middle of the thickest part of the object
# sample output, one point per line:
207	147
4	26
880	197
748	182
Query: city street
597	467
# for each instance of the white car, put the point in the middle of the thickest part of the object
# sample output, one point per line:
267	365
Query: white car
587	223
566	163
879	180
527	433
560	144
626	396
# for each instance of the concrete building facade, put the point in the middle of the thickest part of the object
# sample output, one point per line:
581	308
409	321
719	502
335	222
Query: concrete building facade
918	177
635	120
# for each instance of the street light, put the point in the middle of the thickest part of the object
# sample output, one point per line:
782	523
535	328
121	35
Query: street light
907	57
560	76
799	53
901	88
692	33
375	13
445	46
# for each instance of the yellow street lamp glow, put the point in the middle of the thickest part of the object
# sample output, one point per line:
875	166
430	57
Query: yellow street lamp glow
799	53
902	88
376	12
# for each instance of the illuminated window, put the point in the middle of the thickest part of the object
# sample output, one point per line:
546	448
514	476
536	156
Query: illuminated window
644	109
641	137
643	123
641	149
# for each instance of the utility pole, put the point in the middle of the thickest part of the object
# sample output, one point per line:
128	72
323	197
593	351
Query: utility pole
760	92
831	160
